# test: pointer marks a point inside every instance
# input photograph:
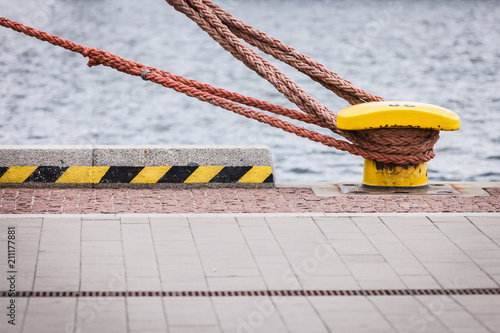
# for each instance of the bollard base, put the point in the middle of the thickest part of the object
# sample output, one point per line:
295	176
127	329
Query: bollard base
378	174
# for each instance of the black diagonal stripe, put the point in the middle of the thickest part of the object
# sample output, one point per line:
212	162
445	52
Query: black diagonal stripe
45	174
269	179
120	174
3	170
177	174
230	174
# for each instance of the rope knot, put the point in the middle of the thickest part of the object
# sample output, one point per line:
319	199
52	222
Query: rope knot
94	55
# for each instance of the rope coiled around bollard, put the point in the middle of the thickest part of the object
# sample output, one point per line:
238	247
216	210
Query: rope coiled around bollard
398	146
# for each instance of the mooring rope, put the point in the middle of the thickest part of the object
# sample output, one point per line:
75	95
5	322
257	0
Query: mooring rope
398	146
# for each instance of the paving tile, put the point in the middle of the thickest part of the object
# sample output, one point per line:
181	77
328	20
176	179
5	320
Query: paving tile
109	275
448	219
24	281
491	321
73	272
492	231
419	282
463	275
293	310
480	304
60	237
98	248
362	258
56	284
198	285
155	221
236	283
143	284
40	314
390	305
394	221
101	233
171	233
288	219
136	234
272	259
60	248
350	314
460	321
194	329
59	224
407	266
417	322
177	259
484	220
248	314
230	272
257	233
15	326
264	247
200	220
25	221
190	311
327	282
101	314
180	249
180	273
134	220
69	262
331	225
451	313
102	260
244	221
146	314
354	246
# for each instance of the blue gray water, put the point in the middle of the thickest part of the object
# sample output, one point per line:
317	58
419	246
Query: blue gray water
435	51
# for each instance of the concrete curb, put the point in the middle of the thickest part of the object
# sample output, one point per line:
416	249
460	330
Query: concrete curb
136	166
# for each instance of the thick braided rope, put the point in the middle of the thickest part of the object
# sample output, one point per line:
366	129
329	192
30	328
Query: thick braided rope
207	20
220	97
287	54
225	29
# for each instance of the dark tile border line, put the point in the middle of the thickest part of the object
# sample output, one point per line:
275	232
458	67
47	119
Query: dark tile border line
365	292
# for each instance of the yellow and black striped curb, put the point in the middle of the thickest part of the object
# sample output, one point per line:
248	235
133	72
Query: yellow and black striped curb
208	174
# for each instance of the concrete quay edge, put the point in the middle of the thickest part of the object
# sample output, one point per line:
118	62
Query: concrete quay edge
160	166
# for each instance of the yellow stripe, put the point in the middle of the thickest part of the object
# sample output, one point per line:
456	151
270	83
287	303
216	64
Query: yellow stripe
256	174
83	175
204	174
17	174
150	174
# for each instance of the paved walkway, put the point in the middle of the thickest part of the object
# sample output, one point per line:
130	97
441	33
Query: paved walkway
254	273
290	259
324	198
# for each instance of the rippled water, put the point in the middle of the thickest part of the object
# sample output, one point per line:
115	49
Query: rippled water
439	52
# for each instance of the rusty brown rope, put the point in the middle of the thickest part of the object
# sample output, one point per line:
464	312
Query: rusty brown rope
227	31
402	149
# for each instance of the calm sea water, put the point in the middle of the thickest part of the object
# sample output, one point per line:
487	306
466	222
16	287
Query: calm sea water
440	52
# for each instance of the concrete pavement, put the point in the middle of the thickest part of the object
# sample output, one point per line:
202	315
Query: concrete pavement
275	272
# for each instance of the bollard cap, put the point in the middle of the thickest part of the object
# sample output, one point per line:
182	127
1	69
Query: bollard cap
397	115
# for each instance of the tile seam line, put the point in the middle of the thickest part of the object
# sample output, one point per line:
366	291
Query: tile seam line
312	214
153	241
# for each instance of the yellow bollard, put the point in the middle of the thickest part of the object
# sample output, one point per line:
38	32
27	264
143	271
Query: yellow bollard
377	115
394	175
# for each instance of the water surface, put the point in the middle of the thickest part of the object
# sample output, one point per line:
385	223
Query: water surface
439	52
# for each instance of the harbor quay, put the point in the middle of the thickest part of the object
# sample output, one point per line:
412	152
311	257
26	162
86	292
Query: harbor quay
291	258
205	239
